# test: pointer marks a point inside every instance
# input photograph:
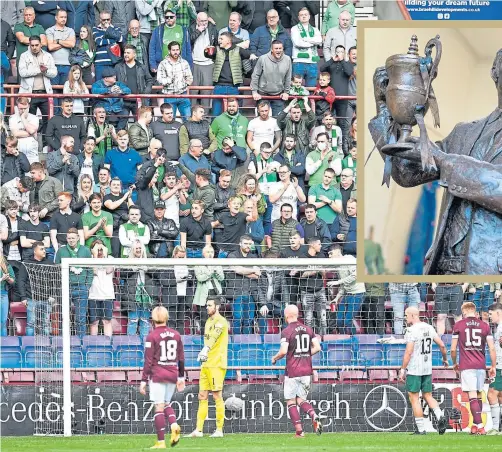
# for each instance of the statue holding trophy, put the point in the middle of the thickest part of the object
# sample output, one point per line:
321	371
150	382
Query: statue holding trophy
467	163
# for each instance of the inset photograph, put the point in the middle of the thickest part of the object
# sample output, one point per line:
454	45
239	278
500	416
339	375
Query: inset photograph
432	118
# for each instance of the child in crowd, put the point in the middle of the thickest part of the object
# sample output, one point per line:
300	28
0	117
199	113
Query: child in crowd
297	89
323	89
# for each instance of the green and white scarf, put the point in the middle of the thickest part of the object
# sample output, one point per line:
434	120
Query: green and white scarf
312	52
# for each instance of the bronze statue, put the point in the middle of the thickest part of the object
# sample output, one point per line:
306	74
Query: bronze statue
467	163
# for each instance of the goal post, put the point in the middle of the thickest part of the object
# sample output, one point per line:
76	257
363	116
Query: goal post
162	264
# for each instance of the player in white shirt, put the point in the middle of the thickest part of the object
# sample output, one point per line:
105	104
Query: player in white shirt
495	391
417	361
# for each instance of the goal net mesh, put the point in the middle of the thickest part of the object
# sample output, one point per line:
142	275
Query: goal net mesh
355	386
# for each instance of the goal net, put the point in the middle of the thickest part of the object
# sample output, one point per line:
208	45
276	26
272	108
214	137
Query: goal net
88	351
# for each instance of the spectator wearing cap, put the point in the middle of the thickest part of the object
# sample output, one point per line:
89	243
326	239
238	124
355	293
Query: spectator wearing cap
163	232
105	35
114	106
165	34
146	184
228	157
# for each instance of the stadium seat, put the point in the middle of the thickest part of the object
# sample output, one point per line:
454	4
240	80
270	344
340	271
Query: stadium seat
119	323
10	343
96	343
394	354
339	356
29	343
443	375
19	323
367	338
10	359
111	376
76	358
99	358
19	376
39	359
134	376
370	355
352	375
57	342
130	358
195	340
126	343
378	375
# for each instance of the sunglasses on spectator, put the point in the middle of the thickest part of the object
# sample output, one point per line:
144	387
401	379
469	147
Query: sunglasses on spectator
106	20
170	17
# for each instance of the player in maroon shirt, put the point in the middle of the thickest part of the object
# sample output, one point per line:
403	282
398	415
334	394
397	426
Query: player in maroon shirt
472	335
165	370
298	345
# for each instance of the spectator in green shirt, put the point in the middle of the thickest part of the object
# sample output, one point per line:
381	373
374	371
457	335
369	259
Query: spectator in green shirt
327	199
97	223
25	29
332	13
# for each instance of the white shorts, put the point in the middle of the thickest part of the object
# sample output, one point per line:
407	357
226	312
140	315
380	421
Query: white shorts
472	379
296	387
161	392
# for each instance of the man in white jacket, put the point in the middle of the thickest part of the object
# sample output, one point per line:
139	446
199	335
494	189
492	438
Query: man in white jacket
36	69
305	39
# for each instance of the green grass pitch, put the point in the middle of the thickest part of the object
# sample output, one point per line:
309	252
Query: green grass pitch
259	443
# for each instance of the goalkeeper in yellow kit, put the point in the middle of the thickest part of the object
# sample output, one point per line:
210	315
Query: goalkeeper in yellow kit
214	367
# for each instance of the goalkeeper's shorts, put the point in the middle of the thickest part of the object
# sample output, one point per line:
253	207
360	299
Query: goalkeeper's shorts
212	378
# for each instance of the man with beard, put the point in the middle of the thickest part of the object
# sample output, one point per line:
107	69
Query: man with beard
63	164
231	123
295	124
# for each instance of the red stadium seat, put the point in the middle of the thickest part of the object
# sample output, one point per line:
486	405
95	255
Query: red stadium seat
19	376
378	375
352	375
113	376
19	325
16	307
119	323
133	376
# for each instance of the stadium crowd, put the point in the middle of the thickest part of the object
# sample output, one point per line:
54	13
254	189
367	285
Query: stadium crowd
179	177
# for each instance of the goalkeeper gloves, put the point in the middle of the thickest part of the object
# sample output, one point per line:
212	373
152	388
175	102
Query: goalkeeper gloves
202	357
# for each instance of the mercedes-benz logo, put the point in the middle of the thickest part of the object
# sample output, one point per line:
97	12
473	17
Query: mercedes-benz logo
385	408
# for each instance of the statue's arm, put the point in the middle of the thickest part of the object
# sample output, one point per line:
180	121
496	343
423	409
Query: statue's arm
471	179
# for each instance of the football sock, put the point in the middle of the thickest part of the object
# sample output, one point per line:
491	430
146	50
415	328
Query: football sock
169	414
438	413
420	424
220	413
495	409
160	425
307	408
201	414
295	418
476	411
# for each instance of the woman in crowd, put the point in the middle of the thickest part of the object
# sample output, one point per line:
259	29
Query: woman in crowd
101	293
84	191
117	203
209	279
76	85
177	291
7	280
248	189
85	41
140	294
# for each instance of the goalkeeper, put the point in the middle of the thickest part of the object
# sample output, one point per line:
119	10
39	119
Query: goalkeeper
214	367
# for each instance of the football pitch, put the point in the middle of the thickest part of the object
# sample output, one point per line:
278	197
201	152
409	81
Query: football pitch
260	443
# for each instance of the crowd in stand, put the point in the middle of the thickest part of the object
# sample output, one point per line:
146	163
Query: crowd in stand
104	177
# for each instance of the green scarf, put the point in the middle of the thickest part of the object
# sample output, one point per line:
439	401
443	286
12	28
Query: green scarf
266	177
104	145
142	296
313	50
136	42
